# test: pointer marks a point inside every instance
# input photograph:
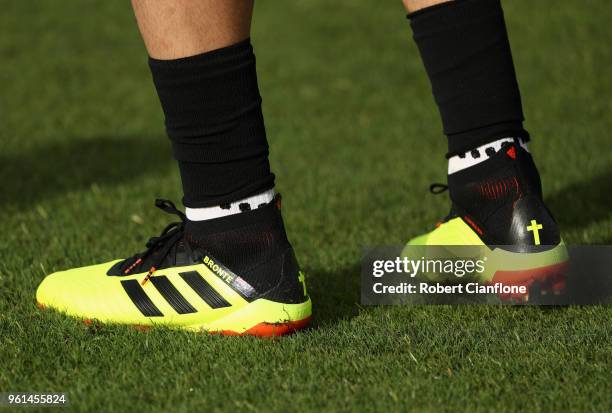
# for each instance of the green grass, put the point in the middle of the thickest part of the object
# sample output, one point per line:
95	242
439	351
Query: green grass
355	140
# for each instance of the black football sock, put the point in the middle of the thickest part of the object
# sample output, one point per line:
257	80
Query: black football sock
213	117
465	49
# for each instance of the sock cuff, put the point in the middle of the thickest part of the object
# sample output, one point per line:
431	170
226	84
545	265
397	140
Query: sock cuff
481	153
267	213
451	11
463	142
238	50
230	208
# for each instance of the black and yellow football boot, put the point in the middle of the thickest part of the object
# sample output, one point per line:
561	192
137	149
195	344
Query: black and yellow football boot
235	275
497	208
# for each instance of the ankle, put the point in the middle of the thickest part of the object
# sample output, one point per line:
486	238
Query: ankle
501	195
252	244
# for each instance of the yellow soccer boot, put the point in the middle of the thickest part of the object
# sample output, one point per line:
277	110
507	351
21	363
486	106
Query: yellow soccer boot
498	215
235	275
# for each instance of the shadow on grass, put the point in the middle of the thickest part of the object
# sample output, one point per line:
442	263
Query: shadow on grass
57	168
335	294
583	203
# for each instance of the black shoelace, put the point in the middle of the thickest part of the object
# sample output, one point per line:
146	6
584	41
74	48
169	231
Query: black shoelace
163	243
437	188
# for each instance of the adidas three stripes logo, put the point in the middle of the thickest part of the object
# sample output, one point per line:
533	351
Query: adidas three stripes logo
169	292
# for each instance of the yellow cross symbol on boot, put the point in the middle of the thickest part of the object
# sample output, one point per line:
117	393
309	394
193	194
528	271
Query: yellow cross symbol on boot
535	227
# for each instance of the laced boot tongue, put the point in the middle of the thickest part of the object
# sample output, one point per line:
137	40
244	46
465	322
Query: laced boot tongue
161	251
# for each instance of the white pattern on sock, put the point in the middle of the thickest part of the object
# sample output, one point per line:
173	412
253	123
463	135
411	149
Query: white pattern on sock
236	207
457	163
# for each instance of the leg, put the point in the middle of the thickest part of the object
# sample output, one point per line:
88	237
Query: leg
416	5
203	67
227	266
465	49
183	28
493	182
